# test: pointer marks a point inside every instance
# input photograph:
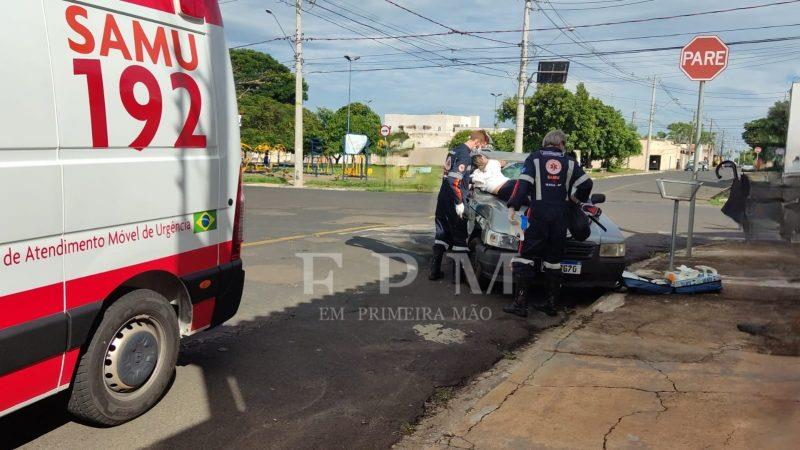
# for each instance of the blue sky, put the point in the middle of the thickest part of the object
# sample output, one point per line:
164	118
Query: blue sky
757	75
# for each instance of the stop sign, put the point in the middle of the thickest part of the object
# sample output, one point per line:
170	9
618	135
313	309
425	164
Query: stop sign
704	58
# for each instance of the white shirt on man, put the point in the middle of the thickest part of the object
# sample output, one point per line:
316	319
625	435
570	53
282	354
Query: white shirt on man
490	179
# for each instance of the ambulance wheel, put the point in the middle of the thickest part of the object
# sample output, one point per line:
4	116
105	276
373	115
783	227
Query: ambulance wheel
129	362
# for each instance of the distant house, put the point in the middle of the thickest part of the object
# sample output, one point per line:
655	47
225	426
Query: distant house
431	130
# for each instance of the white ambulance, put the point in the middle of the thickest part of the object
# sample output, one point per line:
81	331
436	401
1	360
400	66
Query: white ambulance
121	189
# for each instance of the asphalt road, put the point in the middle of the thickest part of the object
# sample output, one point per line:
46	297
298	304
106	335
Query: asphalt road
347	366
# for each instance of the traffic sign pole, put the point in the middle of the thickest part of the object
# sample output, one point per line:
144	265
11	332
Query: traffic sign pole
698	146
702	59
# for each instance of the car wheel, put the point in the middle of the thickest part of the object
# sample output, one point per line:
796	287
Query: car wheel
129	362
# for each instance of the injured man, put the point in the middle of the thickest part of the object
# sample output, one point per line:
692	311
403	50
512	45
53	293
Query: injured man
487	176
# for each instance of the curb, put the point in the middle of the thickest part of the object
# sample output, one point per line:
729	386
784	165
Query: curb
486	391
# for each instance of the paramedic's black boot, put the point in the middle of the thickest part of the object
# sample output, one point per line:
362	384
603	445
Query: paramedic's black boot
435	271
553	293
520	305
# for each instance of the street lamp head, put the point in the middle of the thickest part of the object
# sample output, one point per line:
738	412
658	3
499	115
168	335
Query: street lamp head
352	58
268	11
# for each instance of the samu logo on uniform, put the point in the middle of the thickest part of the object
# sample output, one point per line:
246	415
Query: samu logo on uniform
553	166
205	221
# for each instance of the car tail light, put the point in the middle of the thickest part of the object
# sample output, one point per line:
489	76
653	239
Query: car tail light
238	223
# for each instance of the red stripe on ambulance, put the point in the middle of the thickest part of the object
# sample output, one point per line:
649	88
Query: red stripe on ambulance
29	382
32	304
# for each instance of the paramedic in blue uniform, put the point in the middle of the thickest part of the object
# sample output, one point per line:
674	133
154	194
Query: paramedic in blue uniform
549	180
451	221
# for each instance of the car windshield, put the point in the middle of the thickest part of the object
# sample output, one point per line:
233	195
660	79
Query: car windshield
512	170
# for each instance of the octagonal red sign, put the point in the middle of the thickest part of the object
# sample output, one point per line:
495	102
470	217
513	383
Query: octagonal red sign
704	58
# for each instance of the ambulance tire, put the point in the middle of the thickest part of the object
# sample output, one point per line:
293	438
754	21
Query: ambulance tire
91	399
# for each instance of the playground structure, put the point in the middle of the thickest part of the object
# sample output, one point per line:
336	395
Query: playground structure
315	161
262	158
355	157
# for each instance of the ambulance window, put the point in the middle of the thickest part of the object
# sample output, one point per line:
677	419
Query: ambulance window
27	112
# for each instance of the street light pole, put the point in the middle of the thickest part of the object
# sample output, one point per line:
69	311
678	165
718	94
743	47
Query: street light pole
495	108
350	60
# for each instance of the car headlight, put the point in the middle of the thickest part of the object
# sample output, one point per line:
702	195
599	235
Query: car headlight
612	250
500	240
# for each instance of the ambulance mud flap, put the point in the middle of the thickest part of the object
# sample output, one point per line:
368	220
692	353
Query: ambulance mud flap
224	283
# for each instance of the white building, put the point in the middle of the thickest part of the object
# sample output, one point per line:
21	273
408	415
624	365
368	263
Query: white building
430	130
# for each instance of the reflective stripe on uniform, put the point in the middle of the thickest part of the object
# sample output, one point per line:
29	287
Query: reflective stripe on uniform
551	266
455	175
456	248
442	243
538	185
517	260
570	168
580	180
527	178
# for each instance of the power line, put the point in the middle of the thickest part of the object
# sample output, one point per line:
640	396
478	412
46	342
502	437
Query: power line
606	6
590	25
387	44
451	29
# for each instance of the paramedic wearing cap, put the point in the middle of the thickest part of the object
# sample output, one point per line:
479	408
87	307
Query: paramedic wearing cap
451	223
550	180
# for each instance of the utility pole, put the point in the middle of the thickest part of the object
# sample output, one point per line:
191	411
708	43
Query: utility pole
650	128
523	78
722	146
298	95
713	143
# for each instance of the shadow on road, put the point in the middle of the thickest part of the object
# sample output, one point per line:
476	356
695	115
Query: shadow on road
347	369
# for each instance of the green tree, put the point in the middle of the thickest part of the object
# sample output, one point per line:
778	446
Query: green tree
680	132
596	129
459	138
769	132
401	136
683	133
362	121
258	73
660	135
504	140
266	121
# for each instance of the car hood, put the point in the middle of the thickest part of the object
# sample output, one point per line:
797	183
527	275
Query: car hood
495	212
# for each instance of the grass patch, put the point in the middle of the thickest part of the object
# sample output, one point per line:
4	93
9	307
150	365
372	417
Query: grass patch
597	174
407	428
717	201
261	178
383	179
441	396
509	355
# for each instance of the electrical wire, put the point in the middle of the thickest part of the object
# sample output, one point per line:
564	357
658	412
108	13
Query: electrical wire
590	25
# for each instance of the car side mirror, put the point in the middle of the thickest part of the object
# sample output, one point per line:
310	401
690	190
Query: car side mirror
596	199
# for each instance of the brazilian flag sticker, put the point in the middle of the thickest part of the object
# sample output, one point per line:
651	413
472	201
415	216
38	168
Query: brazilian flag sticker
205	221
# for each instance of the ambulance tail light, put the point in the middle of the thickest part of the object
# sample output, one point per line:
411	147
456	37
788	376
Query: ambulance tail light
238	223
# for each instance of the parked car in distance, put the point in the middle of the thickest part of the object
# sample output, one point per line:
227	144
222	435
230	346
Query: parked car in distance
597	262
690	166
747	168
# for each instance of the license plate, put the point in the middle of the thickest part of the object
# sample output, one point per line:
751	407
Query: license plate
571	267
